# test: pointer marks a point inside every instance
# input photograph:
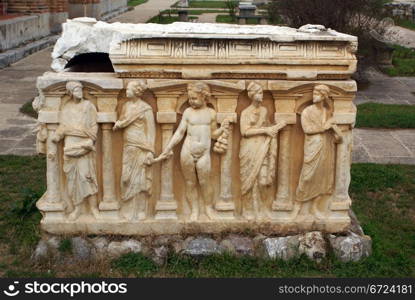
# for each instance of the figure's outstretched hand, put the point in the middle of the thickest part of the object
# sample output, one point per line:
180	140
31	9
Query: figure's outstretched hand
329	124
149	159
271	131
116	126
163	156
225	123
55	138
280	125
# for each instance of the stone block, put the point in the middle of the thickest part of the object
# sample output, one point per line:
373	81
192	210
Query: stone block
116	249
351	247
285	248
202	247
313	245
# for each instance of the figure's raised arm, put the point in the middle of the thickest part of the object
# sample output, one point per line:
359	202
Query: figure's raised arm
175	139
247	130
310	122
151	127
121	122
215	131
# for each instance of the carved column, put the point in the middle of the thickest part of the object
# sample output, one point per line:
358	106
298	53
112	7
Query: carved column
226	106
283	199
109	201
166	206
225	202
51	203
107	116
52	167
341	199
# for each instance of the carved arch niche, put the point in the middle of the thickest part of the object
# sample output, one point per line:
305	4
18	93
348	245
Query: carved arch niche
290	100
104	99
171	100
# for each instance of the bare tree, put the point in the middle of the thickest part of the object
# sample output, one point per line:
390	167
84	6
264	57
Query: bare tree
355	17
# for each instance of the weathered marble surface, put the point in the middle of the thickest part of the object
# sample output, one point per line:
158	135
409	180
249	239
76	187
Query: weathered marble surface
201	128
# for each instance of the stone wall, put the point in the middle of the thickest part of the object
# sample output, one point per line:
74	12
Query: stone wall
42	18
98	9
16	31
401	10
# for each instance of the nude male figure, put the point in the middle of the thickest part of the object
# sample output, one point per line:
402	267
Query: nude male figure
199	125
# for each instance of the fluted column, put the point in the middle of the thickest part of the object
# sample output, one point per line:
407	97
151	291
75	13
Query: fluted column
283	200
52	167
226	106
109	200
341	199
166	206
106	103
51	204
225	201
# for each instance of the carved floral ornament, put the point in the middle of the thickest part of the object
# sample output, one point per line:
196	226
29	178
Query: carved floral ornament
194	151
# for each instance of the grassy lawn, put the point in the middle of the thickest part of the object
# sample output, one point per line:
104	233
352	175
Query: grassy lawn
225	19
205	4
166	19
378	115
403	62
27	109
228	19
382	199
405	23
194	12
136	2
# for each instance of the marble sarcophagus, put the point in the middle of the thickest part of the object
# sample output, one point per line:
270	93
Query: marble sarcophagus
189	127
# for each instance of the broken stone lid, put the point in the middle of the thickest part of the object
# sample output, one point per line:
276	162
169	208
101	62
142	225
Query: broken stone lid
145	45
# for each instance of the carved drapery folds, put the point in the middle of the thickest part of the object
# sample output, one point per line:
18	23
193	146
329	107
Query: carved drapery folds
202	134
258	177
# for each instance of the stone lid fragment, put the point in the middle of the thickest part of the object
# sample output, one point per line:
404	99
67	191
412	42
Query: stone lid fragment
86	35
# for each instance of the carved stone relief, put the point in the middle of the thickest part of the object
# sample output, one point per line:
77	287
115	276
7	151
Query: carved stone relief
318	170
198	124
180	138
220	167
137	122
257	153
78	129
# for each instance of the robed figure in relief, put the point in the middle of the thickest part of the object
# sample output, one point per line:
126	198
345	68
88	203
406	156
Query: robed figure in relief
317	174
257	154
78	127
137	120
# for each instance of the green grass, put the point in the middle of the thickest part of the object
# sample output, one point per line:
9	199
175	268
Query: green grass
403	61
378	115
27	109
383	200
165	19
135	263
65	246
192	12
22	183
225	19
405	23
136	2
205	4
229	19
